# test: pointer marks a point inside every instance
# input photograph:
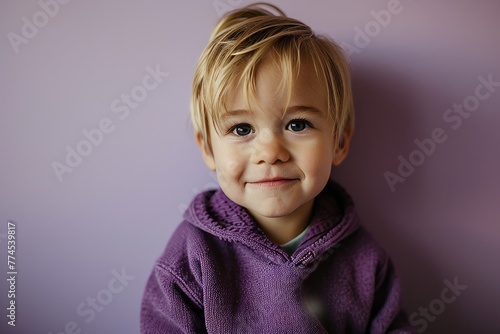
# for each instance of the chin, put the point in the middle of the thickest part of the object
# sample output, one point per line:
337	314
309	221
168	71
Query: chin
274	212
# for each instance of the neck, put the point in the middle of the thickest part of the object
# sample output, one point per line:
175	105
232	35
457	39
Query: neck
280	230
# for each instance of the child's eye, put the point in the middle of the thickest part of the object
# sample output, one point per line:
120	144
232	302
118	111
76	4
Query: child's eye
298	125
241	130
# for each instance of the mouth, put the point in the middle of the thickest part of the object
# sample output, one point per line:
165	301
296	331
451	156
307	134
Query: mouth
273	182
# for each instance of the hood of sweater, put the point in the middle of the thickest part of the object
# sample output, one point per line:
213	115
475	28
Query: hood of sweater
333	219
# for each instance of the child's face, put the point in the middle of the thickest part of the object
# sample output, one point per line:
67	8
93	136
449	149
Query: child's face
274	165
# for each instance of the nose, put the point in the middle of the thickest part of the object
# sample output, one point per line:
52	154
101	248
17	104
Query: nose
270	148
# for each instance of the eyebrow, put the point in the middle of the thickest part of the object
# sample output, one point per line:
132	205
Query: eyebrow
232	113
304	108
292	109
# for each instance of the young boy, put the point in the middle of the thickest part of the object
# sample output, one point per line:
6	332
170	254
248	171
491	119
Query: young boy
278	248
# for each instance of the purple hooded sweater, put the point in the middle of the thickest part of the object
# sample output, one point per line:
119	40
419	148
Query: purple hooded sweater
220	274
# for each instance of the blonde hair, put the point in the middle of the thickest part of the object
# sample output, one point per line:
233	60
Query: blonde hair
239	43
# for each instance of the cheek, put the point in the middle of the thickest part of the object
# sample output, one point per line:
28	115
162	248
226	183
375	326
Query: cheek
229	170
319	161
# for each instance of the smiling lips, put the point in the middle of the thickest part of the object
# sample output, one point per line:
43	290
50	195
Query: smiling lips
273	182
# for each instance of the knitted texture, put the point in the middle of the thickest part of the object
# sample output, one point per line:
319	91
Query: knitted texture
220	274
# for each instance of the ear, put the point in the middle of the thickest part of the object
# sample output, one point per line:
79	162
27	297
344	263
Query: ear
341	151
206	153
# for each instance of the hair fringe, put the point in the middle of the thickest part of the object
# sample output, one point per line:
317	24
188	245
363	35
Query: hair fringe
237	46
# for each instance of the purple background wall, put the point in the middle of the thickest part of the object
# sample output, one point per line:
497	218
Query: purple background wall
115	210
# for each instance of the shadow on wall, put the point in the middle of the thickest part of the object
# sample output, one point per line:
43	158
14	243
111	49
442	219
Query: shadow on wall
387	123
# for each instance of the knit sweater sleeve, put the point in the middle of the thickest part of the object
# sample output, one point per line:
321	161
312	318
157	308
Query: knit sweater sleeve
173	297
170	305
387	315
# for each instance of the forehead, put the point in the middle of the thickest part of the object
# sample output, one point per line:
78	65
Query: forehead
278	84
